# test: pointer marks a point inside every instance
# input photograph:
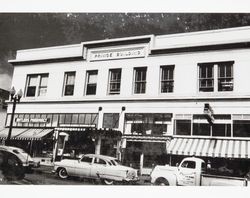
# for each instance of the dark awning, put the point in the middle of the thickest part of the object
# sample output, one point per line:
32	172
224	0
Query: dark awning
93	132
206	147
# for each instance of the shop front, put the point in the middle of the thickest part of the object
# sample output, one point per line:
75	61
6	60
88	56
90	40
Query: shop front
73	142
145	139
220	139
37	142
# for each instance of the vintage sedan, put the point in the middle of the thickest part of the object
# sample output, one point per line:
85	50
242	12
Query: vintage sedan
94	166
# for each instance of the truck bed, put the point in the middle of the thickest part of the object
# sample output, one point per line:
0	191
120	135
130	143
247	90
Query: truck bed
216	180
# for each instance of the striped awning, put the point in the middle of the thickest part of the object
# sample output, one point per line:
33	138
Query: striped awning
33	134
25	133
227	148
15	132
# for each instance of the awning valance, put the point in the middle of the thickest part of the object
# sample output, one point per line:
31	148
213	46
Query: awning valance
139	138
93	132
210	147
25	133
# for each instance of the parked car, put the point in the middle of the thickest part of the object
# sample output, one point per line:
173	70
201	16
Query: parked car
24	157
94	166
11	166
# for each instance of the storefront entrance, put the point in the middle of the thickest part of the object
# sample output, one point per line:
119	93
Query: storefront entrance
145	154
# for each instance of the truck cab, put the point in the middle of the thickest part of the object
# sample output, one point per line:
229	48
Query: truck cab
188	173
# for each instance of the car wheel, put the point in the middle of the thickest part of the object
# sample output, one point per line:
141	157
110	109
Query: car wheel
62	173
108	181
161	182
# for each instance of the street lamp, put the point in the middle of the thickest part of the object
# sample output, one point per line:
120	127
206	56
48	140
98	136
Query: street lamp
15	98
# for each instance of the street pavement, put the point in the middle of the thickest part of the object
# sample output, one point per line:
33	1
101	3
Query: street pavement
44	176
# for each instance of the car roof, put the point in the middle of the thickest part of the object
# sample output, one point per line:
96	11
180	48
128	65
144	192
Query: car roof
101	156
2	147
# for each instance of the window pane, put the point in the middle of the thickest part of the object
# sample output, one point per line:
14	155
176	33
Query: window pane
31	91
70	79
110	120
223	130
33	80
241	128
42	91
183	127
225	77
44	80
201	129
69	83
206	80
91	89
147	124
167	82
140	80
114	83
69	90
91	83
92	78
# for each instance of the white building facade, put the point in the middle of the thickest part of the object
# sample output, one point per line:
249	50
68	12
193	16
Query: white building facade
170	96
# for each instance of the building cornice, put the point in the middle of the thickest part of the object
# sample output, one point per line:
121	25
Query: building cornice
131	100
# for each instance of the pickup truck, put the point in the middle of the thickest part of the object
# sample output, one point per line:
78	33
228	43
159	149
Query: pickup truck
192	172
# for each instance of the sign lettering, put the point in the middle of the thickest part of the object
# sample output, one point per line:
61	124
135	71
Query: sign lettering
117	54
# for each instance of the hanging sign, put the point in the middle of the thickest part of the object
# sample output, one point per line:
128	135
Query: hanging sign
209	113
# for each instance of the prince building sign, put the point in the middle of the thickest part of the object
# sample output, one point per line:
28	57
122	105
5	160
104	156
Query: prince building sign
117	54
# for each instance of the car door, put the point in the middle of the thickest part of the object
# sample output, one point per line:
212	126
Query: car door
83	166
187	173
99	168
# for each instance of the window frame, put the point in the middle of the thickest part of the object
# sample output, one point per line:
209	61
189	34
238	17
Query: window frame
66	74
142	82
215	77
88	73
170	68
37	84
116	81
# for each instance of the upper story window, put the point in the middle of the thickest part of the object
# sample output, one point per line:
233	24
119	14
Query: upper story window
225	76
114	81
167	78
216	76
36	85
206	77
69	83
140	80
91	82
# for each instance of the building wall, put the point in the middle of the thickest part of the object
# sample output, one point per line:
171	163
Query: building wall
185	76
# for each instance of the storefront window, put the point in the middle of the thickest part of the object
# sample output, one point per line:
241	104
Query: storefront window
223	130
201	129
147	124
110	120
241	128
183	127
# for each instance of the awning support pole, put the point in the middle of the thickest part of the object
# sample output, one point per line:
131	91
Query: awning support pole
98	143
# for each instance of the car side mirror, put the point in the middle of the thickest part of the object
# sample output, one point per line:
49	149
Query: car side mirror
177	164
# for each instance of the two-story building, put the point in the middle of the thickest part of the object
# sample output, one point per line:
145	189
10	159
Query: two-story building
170	96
